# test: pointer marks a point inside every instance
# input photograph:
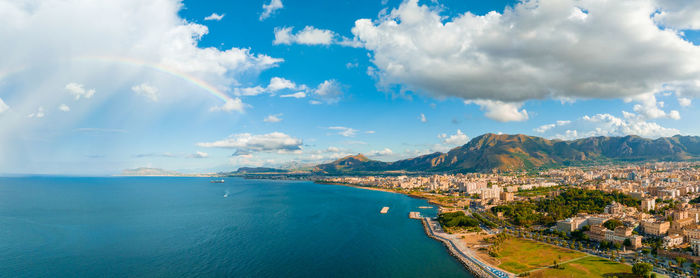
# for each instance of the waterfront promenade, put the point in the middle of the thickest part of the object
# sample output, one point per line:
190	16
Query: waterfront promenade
459	249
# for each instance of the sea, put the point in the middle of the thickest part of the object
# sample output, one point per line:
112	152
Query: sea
190	227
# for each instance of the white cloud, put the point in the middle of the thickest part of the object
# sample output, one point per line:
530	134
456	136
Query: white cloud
684	101
457	139
609	125
234	104
384	152
278	83
330	91
270	8
38	114
501	111
64	108
78	91
561	49
246	143
198	154
146	90
215	17
344	131
3	107
249	91
308	36
315	102
545	128
650	108
422	118
679	14
295	95
273	118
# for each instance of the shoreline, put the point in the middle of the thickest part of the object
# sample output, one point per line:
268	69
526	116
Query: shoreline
452	249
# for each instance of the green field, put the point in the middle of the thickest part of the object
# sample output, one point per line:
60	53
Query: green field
520	255
586	267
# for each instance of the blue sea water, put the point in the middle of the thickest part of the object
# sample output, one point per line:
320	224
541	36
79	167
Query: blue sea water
185	227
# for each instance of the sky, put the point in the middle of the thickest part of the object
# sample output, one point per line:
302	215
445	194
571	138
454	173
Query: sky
95	87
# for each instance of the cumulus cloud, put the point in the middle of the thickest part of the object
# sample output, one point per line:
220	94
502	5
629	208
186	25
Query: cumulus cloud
276	84
270	8
344	131
384	152
684	101
308	36
273	118
533	50
501	111
3	107
650	108
456	139
215	17
64	108
679	14
608	125
78	91
234	104
246	143
422	118
146	90
330	91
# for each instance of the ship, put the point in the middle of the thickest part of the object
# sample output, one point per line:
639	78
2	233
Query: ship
217	181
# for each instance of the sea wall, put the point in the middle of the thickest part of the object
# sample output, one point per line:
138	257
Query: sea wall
475	269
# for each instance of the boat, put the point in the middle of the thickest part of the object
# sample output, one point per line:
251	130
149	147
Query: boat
384	210
217	181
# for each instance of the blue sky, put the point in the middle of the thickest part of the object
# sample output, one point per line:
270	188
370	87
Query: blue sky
94	89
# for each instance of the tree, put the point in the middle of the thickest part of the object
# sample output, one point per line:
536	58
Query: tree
612	224
642	269
680	261
627	242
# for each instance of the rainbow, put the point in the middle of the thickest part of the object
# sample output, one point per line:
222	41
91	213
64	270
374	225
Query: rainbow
161	68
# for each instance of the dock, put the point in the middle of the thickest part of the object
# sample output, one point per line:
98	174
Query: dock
425	207
414	215
384	210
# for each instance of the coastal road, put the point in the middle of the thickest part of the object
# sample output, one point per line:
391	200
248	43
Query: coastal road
463	251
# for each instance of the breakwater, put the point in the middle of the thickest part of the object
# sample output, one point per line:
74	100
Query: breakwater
470	265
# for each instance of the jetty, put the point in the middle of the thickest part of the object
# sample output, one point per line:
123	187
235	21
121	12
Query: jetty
414	215
384	210
425	207
462	253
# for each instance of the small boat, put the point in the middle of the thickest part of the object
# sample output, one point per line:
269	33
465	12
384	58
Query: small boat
217	181
384	210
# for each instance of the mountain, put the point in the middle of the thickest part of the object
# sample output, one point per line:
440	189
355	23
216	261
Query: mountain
515	152
254	170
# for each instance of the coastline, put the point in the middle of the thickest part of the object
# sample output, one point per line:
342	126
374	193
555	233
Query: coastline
475	268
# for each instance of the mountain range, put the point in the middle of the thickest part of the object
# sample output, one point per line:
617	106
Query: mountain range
518	152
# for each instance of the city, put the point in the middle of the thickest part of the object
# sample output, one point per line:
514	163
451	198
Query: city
654	220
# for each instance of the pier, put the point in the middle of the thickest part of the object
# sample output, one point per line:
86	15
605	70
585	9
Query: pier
462	253
384	210
414	215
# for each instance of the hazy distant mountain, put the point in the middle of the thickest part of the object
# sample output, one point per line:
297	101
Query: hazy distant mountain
144	171
513	152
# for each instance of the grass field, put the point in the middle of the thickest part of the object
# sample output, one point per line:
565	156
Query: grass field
586	267
520	255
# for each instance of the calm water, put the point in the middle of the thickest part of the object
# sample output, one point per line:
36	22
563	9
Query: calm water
165	227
